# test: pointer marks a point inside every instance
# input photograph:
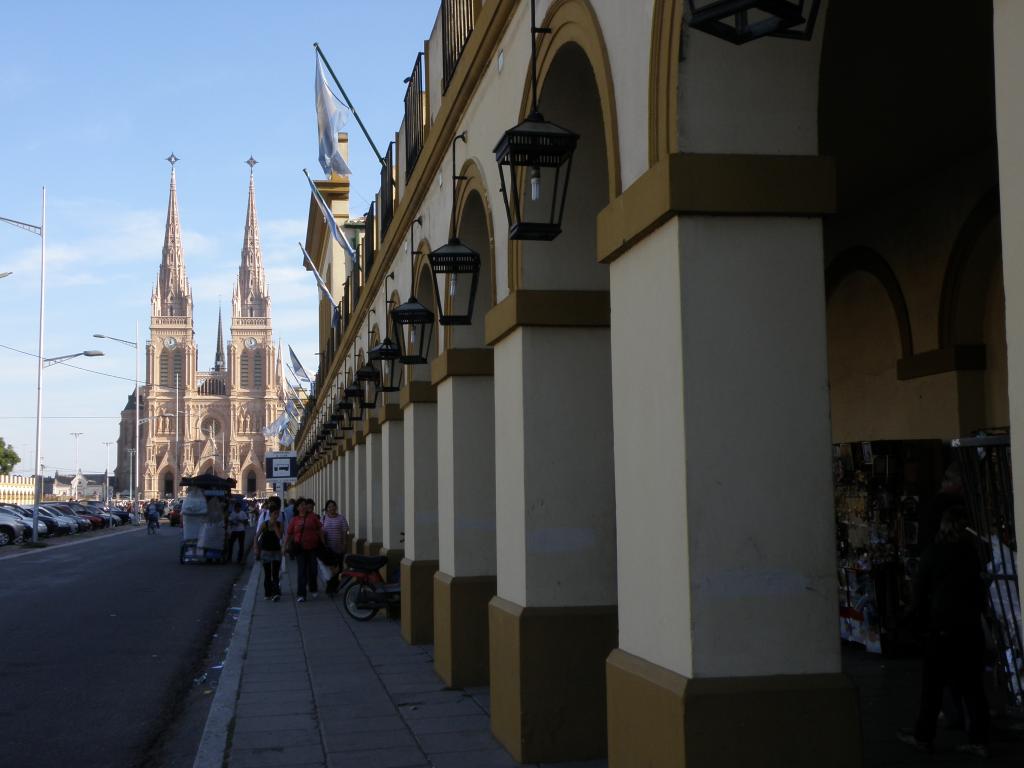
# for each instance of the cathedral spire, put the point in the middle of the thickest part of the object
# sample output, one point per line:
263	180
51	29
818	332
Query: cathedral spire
218	360
173	295
251	298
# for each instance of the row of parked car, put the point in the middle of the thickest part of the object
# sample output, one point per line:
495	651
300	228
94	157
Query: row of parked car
62	518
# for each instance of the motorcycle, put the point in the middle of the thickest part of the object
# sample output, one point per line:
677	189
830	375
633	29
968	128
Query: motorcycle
367	592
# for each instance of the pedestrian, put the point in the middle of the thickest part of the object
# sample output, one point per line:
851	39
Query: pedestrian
949	596
237	521
335	532
152	517
268	550
305	537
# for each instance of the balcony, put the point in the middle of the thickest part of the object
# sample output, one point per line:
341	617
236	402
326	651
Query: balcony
415	123
457	20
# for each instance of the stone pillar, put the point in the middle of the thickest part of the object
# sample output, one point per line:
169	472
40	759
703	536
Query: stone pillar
553	621
420	474
1009	22
466	578
393	488
350	492
728	637
373	478
359	469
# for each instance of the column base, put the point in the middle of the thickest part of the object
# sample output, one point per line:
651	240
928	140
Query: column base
374	548
360	546
392	572
418	601
548	679
658	717
460	628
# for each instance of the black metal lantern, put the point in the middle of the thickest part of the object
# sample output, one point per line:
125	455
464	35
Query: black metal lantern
354	396
535	152
740	21
413	322
386	358
451	260
367	375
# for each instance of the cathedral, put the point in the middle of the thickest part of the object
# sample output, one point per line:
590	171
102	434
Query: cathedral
221	412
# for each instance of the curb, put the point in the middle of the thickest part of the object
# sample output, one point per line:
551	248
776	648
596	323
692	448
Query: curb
222	711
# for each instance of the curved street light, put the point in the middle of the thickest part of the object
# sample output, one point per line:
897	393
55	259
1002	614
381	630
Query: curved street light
134	482
5	274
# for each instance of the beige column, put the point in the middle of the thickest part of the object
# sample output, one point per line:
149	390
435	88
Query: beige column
420	475
553	621
1008	24
728	640
359	480
373	479
466	578
350	493
393	487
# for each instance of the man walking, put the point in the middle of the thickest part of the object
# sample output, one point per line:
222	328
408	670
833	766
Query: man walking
237	521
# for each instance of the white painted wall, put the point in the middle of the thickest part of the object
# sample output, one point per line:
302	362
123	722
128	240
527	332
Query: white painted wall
554	467
362	511
1008	24
724	485
420	467
393	483
374	486
465	476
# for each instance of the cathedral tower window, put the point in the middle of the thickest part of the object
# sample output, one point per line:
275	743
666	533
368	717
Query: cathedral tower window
244	379
165	369
257	368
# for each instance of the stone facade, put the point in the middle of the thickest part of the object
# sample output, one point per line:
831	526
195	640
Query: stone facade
221	412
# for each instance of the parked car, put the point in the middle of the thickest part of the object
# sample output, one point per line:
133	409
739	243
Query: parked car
47	527
95	519
25	515
64	526
173	514
12	528
80	523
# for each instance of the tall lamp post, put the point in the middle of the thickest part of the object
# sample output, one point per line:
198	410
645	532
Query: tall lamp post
41	231
134	484
106	474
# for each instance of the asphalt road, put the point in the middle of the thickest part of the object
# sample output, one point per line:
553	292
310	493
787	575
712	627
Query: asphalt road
98	642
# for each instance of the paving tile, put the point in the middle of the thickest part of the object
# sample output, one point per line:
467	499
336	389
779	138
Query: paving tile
279	696
270	686
420	687
427	697
362	724
350	741
271	706
457	741
427	725
347	710
299	737
465	706
481	758
401	757
576	764
280	723
277	756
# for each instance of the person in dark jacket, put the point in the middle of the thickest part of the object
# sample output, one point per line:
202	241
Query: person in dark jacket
950	597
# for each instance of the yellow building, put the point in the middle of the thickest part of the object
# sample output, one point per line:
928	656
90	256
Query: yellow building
614	485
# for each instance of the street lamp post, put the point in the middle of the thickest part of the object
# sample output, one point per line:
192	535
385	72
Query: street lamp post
133	485
106	476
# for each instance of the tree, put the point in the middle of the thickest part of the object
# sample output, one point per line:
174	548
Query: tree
8	457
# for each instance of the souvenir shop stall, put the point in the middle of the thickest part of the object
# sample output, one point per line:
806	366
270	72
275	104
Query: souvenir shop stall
885	496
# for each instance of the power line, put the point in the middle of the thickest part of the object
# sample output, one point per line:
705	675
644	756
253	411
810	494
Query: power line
69	365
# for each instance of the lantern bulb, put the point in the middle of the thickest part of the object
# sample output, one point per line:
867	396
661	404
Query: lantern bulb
535	183
412	336
452	285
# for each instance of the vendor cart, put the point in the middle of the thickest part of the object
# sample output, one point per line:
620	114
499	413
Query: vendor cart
204	515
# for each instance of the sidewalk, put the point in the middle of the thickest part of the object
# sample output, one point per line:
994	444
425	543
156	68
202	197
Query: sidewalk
316	688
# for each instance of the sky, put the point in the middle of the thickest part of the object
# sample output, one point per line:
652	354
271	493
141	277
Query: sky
93	97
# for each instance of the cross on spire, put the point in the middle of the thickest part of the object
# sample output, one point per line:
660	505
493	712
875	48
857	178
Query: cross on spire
251	162
172	159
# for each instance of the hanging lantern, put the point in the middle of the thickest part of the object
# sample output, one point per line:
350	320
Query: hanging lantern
354	396
413	323
386	358
537	153
740	21
369	380
414	329
450	261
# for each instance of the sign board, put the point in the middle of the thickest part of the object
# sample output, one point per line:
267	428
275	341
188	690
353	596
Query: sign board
281	467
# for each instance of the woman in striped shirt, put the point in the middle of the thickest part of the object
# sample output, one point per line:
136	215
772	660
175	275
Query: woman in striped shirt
335	533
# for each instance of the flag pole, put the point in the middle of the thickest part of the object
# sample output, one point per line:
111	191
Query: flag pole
348	102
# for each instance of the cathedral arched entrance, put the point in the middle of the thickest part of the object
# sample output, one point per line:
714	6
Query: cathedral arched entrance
250	483
167	484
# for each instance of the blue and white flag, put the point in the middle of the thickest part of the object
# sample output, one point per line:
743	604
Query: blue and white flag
297	369
331	115
332	224
275	427
319	278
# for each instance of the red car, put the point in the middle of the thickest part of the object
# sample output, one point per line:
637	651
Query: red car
81	511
